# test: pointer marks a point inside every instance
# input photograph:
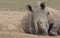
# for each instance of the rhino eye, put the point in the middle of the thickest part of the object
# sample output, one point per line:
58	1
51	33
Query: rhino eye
48	13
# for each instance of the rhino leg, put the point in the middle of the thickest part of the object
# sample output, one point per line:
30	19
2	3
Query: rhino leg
54	30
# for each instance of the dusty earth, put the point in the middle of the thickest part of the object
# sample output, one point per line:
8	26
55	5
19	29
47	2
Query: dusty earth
10	25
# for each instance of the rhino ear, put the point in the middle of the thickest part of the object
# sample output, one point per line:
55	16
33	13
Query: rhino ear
29	7
42	5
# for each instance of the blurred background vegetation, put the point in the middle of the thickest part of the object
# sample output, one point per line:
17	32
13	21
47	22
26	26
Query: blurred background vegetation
20	4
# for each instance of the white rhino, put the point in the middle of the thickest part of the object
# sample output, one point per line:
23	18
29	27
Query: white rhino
53	17
39	23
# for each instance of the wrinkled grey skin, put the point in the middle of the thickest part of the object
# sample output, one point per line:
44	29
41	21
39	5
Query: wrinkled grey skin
53	16
40	19
40	23
28	25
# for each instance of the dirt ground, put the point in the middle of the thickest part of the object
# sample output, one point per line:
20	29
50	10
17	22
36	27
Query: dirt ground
10	22
11	18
